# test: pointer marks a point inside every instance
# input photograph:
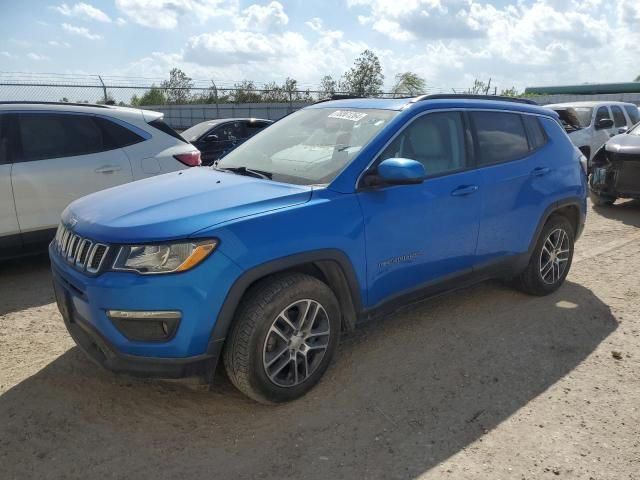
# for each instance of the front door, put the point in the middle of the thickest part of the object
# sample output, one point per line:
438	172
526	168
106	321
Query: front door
421	234
59	158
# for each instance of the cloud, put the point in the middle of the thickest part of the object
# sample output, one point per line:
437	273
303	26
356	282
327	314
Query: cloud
121	21
7	55
81	31
37	57
262	18
83	11
165	14
55	43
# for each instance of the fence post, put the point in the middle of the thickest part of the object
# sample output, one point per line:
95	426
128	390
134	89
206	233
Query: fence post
104	89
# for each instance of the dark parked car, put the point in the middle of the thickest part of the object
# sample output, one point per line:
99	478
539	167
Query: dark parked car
616	169
216	138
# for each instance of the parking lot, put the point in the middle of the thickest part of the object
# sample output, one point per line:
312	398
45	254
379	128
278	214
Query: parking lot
482	383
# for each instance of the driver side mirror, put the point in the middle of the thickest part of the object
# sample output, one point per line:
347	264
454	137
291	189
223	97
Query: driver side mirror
396	171
604	123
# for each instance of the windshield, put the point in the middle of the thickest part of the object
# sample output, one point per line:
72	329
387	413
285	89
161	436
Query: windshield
584	115
309	146
635	130
194	133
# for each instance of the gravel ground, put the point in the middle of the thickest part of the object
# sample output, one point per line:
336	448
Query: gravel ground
482	383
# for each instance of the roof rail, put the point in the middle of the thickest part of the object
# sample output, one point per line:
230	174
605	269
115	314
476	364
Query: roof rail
464	96
17	102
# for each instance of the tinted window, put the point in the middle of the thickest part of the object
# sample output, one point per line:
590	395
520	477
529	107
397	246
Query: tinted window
537	137
436	140
603	112
633	113
116	135
255	127
195	133
45	136
501	136
229	132
163	127
618	117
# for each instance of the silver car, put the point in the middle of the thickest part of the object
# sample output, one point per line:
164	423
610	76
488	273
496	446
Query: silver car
54	153
591	124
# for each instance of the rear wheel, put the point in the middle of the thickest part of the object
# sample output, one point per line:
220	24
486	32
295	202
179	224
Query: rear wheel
601	200
551	259
283	339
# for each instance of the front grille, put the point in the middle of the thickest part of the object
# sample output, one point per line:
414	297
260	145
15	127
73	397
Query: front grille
83	253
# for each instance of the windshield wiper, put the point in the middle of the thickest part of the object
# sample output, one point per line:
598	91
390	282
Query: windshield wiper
249	172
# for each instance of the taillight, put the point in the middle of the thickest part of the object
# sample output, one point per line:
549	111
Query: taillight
191	159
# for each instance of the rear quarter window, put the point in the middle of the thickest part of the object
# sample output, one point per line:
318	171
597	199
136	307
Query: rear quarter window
117	135
160	124
501	137
535	132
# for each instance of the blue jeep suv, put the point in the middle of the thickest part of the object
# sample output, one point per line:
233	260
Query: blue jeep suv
335	214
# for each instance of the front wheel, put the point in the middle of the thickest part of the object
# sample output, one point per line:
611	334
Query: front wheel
551	259
284	336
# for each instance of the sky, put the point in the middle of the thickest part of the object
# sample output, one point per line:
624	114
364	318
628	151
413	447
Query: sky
449	43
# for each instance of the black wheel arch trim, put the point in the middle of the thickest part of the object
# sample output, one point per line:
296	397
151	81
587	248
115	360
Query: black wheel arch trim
322	259
550	210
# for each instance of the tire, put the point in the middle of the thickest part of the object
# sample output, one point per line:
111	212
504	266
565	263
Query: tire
537	279
257	357
601	200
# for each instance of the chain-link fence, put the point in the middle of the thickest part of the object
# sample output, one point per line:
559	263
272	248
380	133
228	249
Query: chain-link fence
183	106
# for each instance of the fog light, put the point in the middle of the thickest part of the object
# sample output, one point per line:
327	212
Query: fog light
146	326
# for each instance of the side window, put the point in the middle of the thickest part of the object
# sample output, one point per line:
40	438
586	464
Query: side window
45	135
117	136
633	113
436	140
618	116
535	132
603	112
501	137
233	131
254	127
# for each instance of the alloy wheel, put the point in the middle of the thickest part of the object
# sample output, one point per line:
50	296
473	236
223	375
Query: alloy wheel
554	256
296	343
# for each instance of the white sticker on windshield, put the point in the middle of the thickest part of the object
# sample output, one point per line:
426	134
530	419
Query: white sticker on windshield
348	115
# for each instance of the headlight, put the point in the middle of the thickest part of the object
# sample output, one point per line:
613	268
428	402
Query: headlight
163	258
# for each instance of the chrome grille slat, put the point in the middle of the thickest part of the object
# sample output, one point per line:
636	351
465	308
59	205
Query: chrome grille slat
82	253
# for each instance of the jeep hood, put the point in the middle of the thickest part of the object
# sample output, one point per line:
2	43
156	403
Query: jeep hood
176	205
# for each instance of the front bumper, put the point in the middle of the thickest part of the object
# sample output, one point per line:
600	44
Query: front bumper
197	294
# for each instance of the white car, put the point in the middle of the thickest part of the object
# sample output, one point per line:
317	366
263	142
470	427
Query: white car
591	124
54	153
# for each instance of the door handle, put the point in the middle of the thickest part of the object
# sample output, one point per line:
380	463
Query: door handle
108	169
464	190
538	172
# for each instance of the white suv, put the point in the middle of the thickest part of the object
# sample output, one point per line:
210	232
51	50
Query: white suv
591	124
54	153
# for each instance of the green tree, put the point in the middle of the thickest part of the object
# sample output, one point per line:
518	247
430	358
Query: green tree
365	78
273	93
153	96
245	92
328	87
408	84
178	87
510	92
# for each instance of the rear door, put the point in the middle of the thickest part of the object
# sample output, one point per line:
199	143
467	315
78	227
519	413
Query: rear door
9	229
513	173
60	157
